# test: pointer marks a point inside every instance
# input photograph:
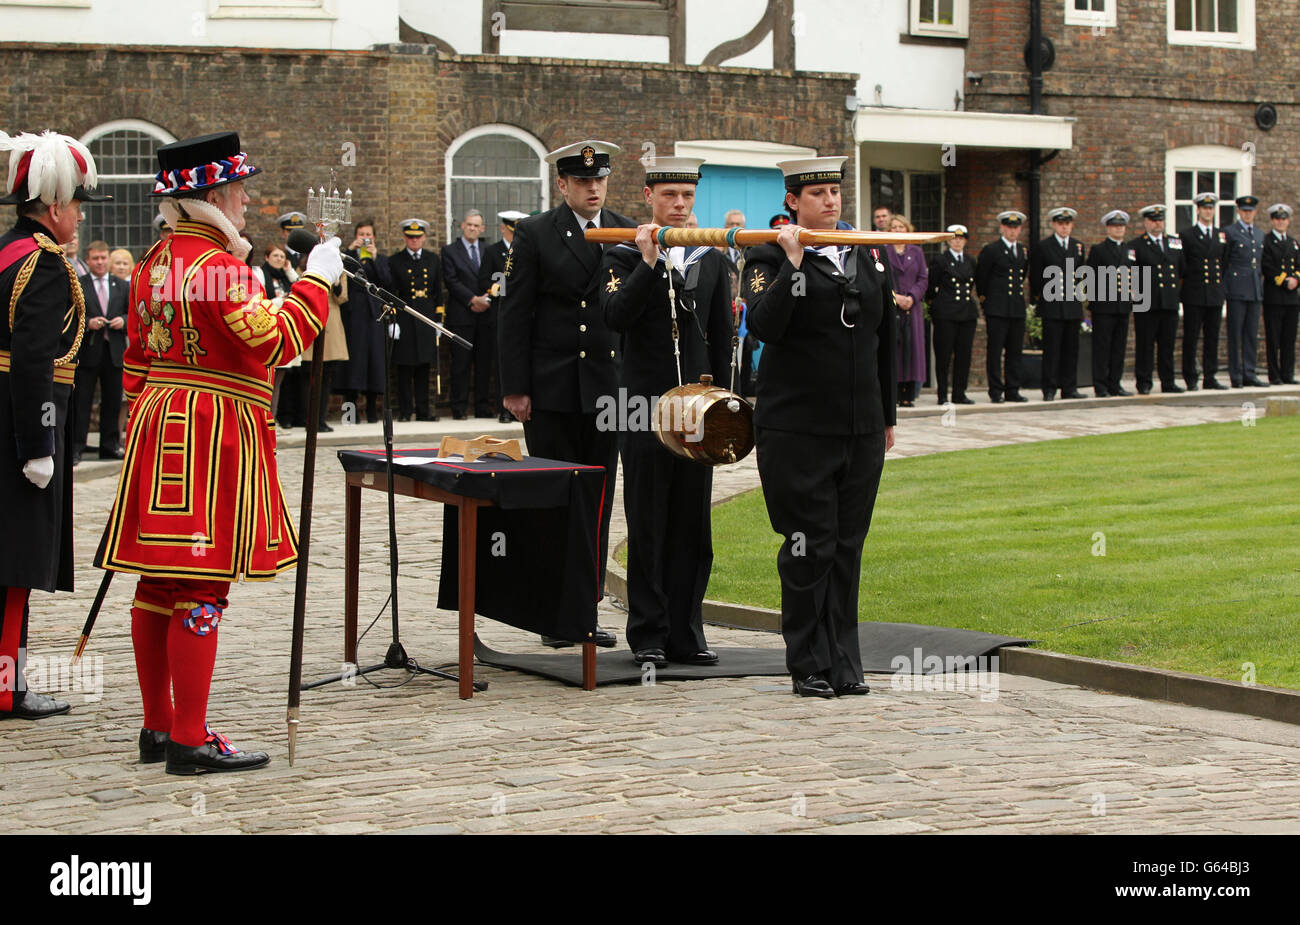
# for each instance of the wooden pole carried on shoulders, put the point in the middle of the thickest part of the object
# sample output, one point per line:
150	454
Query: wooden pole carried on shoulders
740	237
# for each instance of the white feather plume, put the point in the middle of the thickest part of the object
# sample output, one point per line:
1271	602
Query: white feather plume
53	175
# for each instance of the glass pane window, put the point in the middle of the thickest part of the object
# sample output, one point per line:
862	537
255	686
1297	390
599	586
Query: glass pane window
1206	16
126	163
936	12
1222	183
493	173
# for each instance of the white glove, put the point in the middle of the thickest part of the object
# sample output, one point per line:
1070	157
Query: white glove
395	330
326	261
39	471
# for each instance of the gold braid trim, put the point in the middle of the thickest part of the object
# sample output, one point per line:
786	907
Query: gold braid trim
78	297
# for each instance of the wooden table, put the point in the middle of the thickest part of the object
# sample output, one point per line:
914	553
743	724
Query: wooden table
467	537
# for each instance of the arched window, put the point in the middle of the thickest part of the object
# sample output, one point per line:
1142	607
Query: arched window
493	168
124	155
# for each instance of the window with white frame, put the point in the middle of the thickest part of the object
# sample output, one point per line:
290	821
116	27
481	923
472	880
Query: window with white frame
1091	13
1217	169
493	168
948	18
1224	23
124	153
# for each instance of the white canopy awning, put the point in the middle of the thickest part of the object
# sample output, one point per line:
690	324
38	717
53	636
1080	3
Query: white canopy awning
964	129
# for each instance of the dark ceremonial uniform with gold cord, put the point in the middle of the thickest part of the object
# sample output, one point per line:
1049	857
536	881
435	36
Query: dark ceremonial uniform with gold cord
1113	262
1155	329
419	284
42	316
1060	315
955	313
666	498
1281	262
1000	280
826	393
556	347
1205	255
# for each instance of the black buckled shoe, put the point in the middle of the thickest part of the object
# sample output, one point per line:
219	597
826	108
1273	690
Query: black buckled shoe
812	686
31	705
215	755
703	657
153	746
852	689
602	637
655	657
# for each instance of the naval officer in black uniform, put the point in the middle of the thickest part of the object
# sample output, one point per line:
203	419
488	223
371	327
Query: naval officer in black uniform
1156	328
1205	256
558	357
1054	268
417	280
666	497
1281	265
1000	280
1111	302
824	419
491	277
955	313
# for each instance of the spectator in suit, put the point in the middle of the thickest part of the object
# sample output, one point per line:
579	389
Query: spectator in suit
467	315
1054	265
1281	266
491	280
100	359
911	279
1245	292
1000	280
955	313
1111	303
1205	254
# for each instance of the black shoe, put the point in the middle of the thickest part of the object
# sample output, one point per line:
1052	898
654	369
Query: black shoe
324	428
655	657
153	746
484	414
1253	383
996	399
458	416
372	419
1100	392
1121	392
941	399
602	637
1049	395
1216	384
812	686
1016	397
76	459
1192	387
1288	382
31	705
1173	388
555	642
856	688
112	454
506	418
214	755
1073	393
427	417
1144	390
963	400
702	657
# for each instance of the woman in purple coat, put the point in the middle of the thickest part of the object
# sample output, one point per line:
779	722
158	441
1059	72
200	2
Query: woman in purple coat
911	278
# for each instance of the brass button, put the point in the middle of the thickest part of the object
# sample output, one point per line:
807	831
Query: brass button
582	354
582	327
584	304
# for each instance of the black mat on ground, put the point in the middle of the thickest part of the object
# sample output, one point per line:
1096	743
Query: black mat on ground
886	648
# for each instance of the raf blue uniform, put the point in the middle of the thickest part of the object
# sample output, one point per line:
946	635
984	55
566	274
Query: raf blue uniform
1244	287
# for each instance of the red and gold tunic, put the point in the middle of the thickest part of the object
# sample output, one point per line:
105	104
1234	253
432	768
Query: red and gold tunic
199	495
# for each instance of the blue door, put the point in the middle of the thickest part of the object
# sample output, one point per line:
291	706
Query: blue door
759	192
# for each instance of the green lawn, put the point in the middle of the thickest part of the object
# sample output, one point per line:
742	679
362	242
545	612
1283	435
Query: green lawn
1201	570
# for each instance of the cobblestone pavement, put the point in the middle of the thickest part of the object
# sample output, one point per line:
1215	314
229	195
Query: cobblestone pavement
529	755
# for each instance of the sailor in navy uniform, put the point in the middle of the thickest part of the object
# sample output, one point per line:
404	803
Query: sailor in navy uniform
417	280
1281	265
1054	268
558	357
824	420
1000	280
667	498
1111	303
491	278
1245	292
955	313
1156	329
1205	255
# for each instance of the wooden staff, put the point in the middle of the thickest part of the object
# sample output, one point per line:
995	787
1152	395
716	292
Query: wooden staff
739	237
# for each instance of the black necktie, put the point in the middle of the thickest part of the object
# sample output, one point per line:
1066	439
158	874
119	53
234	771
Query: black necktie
595	248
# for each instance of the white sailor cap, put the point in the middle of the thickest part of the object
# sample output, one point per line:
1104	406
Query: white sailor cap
807	171
1062	214
958	230
291	221
1115	217
414	227
1205	199
1011	218
673	170
1155	212
1279	210
510	216
585	159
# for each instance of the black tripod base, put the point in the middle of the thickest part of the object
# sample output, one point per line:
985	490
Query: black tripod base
395	659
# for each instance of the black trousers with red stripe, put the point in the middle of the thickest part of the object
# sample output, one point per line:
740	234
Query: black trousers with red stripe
13	644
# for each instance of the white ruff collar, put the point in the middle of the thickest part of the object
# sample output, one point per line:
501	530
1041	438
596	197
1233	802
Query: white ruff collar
205	212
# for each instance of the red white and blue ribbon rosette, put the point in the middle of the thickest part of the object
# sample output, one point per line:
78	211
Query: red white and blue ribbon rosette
205	176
